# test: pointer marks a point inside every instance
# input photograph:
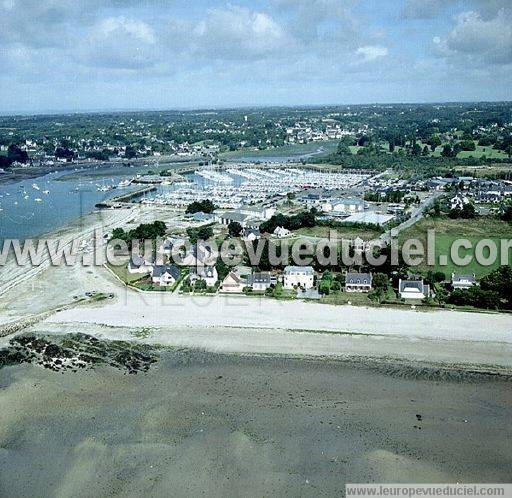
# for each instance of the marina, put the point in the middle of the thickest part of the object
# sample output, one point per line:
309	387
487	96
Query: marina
236	186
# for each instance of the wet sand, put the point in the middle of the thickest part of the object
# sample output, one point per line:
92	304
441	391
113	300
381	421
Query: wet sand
229	425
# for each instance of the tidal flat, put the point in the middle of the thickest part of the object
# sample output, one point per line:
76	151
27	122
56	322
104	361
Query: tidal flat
114	418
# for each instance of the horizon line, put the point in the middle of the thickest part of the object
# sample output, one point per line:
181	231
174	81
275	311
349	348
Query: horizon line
233	107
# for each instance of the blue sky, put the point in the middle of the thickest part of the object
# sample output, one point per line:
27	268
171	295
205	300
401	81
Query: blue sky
158	54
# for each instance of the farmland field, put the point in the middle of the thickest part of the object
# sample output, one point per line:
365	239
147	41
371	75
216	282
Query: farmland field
447	231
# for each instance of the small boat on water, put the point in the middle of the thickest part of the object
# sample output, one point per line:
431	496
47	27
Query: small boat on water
38	200
46	192
35	186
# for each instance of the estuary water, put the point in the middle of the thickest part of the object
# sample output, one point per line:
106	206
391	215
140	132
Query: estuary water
33	207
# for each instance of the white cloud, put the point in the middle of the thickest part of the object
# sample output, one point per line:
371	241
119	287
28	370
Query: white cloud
118	42
485	41
372	52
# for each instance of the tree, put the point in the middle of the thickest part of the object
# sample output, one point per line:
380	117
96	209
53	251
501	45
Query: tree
507	214
447	151
235	229
205	233
380	282
64	153
500	282
205	206
130	152
15	154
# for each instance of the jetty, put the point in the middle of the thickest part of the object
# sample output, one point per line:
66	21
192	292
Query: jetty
119	200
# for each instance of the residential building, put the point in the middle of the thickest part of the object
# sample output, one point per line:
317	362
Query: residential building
298	276
358	282
251	234
260	281
232	284
139	264
413	289
207	273
165	276
463	281
281	232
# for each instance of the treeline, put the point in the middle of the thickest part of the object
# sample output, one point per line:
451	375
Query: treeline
304	219
145	231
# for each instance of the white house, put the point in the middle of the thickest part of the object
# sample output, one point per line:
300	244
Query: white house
358	282
251	234
232	284
165	276
207	273
281	232
413	289
463	281
298	276
139	265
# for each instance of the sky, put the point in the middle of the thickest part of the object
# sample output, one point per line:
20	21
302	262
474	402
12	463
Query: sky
85	55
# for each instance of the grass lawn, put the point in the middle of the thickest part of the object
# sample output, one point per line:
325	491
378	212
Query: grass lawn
448	230
343	233
122	273
355	298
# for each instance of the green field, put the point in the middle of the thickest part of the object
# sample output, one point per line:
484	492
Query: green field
447	231
294	150
342	232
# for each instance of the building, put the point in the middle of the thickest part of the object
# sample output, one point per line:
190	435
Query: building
358	282
251	234
207	273
264	213
298	276
463	281
370	218
165	276
281	232
139	264
233	284
260	281
413	289
246	220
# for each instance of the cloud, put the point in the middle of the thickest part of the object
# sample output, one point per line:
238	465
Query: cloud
423	9
475	39
118	42
372	52
239	33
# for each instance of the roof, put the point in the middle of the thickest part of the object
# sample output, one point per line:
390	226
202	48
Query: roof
233	276
292	270
463	278
260	278
413	285
373	218
234	216
160	270
358	278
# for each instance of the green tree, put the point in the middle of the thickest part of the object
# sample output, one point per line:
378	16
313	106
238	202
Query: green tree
235	229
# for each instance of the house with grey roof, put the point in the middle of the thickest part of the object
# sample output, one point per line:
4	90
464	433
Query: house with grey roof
463	281
358	282
165	276
413	289
260	281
